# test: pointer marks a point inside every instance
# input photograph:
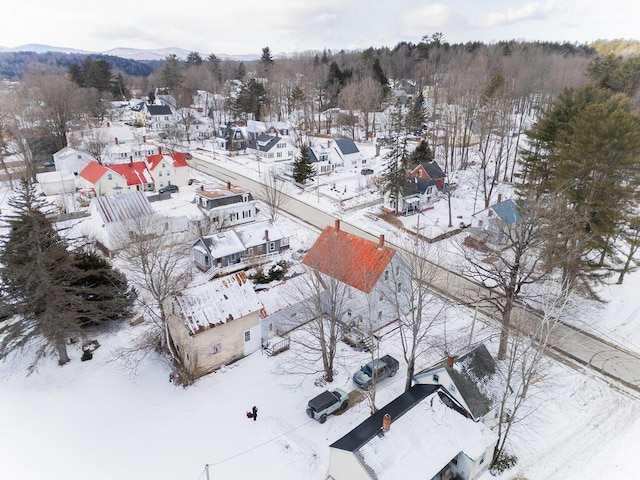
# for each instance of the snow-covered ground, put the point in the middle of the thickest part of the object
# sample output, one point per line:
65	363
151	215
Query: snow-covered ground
103	420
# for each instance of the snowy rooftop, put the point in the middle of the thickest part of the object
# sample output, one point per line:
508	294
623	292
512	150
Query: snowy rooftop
425	439
218	301
253	234
224	243
284	294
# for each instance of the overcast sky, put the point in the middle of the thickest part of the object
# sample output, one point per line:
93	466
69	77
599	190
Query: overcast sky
236	27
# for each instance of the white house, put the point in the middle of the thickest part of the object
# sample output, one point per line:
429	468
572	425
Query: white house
272	148
168	168
423	430
214	324
348	153
493	225
110	217
468	377
228	206
71	160
374	276
117	178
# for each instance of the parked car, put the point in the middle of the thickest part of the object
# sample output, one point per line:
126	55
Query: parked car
328	402
366	171
377	369
169	189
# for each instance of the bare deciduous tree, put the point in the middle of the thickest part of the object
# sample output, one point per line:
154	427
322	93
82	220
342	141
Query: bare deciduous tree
272	192
513	264
523	366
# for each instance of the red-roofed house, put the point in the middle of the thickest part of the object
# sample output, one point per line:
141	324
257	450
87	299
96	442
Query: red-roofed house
118	178
169	168
372	273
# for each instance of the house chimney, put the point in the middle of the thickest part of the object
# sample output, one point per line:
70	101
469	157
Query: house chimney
337	225
117	141
131	160
381	241
328	143
228	185
108	124
386	422
202	188
450	361
159	150
499	197
266	235
144	139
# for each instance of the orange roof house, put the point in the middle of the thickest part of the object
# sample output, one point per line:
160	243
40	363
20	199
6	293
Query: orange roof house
351	259
369	271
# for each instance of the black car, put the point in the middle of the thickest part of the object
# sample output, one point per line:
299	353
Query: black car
366	171
169	189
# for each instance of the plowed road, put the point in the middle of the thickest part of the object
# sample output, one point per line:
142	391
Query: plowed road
620	366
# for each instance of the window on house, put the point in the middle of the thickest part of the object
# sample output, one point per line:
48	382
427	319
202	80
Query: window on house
247	335
386	274
436	378
271	327
397	269
109	176
279	155
452	388
160	173
272	246
216	348
166	225
284	242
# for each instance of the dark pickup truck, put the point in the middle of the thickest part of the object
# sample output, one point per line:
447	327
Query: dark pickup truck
378	369
323	405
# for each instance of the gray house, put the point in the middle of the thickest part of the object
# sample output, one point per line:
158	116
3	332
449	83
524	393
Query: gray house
238	245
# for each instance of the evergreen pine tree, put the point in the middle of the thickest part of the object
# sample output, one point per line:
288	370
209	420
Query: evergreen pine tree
396	171
303	168
50	291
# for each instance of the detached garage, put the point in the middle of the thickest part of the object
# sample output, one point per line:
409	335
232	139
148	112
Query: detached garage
56	183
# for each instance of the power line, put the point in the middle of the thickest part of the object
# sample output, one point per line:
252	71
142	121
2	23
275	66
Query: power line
251	449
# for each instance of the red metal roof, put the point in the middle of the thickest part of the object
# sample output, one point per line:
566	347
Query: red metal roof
135	173
351	259
93	172
177	159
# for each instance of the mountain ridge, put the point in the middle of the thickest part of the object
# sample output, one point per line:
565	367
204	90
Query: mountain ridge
125	52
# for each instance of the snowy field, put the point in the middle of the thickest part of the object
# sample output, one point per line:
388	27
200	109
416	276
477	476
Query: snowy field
105	420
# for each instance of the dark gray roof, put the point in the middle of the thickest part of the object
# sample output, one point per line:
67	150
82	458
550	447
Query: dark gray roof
433	170
270	140
347	146
159	109
372	425
416	185
312	155
471	374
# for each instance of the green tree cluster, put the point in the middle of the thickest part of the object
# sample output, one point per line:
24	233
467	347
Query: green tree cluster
583	160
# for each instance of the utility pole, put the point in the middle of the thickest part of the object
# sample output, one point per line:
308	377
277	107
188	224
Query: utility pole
206	470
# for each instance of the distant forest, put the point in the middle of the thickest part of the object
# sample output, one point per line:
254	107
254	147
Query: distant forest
14	64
